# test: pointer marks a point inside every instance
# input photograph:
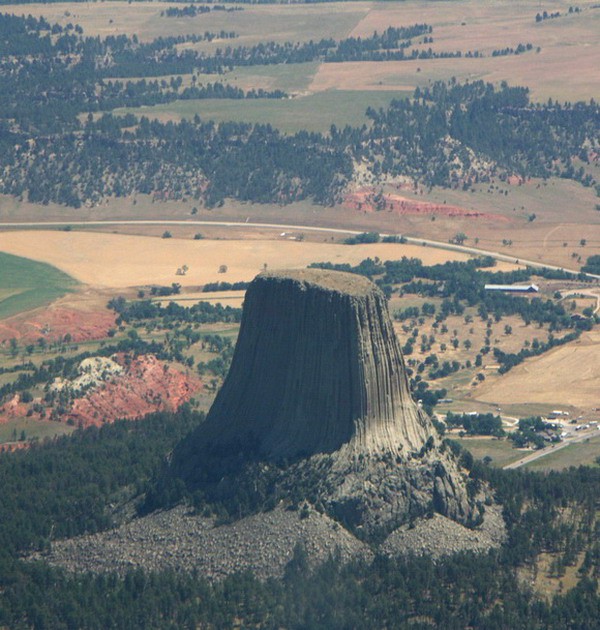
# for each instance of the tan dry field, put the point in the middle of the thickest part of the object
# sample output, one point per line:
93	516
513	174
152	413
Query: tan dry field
118	261
564	214
226	298
300	22
565	376
565	68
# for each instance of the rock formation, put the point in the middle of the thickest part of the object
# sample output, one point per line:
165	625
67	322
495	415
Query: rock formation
313	440
317	367
316	406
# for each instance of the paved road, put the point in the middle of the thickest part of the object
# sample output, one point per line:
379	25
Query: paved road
532	457
300	228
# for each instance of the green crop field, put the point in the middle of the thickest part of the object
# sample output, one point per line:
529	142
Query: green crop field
26	284
315	112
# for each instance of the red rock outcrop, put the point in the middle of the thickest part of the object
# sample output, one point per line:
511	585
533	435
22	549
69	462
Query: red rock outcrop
367	200
53	323
147	385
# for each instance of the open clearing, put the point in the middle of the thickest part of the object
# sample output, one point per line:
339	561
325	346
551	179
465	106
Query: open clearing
501	451
312	112
565	67
25	284
13	430
580	454
567	375
300	22
118	261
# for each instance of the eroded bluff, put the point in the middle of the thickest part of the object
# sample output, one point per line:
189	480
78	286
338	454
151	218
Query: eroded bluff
316	407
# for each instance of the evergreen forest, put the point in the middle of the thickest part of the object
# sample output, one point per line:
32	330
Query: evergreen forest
59	141
71	487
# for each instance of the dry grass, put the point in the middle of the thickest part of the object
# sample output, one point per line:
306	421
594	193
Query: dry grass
34	429
566	376
226	298
538	576
564	69
254	24
109	260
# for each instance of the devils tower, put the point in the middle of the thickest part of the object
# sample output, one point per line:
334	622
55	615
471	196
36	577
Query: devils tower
317	368
313	440
316	406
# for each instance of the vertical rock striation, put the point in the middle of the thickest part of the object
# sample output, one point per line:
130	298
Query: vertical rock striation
316	407
317	368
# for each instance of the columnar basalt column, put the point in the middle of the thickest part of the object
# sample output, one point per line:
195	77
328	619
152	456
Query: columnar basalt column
317	368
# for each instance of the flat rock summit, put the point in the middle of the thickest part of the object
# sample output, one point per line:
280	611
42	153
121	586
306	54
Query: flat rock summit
313	439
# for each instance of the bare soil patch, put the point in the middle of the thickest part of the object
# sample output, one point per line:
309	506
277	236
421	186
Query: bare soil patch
83	316
148	385
368	200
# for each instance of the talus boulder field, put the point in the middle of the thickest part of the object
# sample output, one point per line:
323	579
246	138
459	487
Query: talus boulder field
312	443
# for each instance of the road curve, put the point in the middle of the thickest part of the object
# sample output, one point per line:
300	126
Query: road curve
302	228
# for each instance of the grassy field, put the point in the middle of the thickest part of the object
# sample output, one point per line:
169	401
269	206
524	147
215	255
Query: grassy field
12	430
563	69
313	112
291	78
254	24
501	451
580	454
26	284
567	375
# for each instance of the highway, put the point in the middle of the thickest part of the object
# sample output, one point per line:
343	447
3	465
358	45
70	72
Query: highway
300	228
575	437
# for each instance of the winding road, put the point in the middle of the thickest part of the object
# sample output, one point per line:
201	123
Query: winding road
301	228
591	294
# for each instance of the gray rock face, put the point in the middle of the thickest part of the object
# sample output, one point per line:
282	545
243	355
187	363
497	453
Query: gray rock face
317	368
318	382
